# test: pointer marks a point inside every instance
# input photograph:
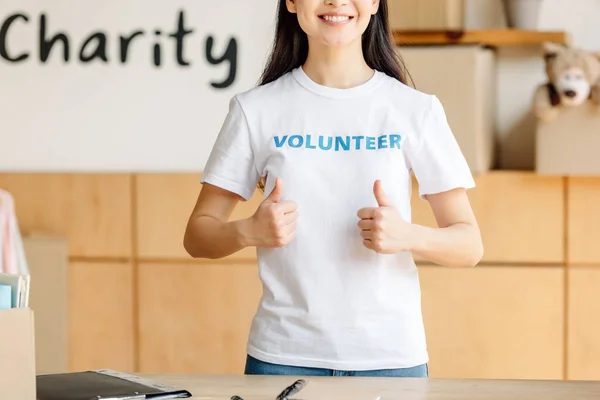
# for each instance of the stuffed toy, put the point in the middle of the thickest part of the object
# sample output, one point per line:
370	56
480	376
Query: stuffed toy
573	79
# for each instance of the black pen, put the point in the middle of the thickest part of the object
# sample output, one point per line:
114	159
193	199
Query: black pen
288	391
293	389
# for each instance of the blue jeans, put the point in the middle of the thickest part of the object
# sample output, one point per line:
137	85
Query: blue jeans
257	367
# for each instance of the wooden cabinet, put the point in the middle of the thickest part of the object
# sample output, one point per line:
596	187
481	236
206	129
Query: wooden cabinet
138	302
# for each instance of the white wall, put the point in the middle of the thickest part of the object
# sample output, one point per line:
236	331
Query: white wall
522	69
110	116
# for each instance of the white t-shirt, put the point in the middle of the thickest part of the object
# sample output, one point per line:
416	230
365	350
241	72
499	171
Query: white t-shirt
328	301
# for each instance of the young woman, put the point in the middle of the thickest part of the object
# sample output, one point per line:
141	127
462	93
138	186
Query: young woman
332	134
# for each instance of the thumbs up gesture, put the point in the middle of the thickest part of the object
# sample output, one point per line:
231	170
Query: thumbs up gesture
382	228
274	222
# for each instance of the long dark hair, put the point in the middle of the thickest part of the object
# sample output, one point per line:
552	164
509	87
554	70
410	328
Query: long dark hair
290	47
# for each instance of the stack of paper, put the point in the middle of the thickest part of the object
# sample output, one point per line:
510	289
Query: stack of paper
19	289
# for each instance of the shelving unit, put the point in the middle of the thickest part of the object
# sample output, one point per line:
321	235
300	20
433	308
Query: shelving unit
492	38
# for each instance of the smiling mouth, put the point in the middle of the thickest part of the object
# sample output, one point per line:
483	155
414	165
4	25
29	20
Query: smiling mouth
336	18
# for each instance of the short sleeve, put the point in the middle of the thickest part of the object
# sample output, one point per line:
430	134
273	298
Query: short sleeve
231	165
437	160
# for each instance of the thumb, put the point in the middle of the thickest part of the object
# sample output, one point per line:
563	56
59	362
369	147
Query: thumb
380	195
277	191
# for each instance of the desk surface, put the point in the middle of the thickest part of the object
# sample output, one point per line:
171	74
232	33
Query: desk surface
221	387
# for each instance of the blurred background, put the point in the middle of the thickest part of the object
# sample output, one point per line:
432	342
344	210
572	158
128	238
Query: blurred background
109	110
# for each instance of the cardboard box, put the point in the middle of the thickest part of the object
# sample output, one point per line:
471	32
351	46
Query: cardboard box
484	14
17	354
427	14
568	145
48	260
464	79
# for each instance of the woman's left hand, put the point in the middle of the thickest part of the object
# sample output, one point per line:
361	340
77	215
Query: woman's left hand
382	228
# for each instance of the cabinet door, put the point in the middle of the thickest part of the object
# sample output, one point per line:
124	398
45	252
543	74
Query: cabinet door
583	362
584	220
195	318
101	332
494	322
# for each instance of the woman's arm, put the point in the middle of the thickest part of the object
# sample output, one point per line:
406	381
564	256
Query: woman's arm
455	242
457	239
210	234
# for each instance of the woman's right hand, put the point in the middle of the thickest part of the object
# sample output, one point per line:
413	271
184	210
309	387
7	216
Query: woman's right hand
274	222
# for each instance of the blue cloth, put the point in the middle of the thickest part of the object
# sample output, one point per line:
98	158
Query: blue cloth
5	297
257	367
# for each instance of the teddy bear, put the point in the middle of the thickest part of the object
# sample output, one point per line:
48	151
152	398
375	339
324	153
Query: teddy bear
573	78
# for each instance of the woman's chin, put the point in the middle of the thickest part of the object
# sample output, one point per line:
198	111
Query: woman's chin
336	42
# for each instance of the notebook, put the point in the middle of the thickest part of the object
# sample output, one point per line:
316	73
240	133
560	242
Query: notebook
103	384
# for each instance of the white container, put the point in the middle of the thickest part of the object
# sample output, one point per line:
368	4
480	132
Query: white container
523	14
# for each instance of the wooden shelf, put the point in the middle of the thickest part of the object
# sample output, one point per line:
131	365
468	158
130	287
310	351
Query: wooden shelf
493	38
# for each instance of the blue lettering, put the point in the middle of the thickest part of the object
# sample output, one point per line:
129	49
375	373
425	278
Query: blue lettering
342	143
339	143
279	142
358	139
370	143
395	140
299	139
329	143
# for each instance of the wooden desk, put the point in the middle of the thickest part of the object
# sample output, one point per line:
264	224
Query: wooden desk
222	387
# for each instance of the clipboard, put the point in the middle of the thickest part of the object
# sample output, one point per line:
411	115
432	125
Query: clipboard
103	384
